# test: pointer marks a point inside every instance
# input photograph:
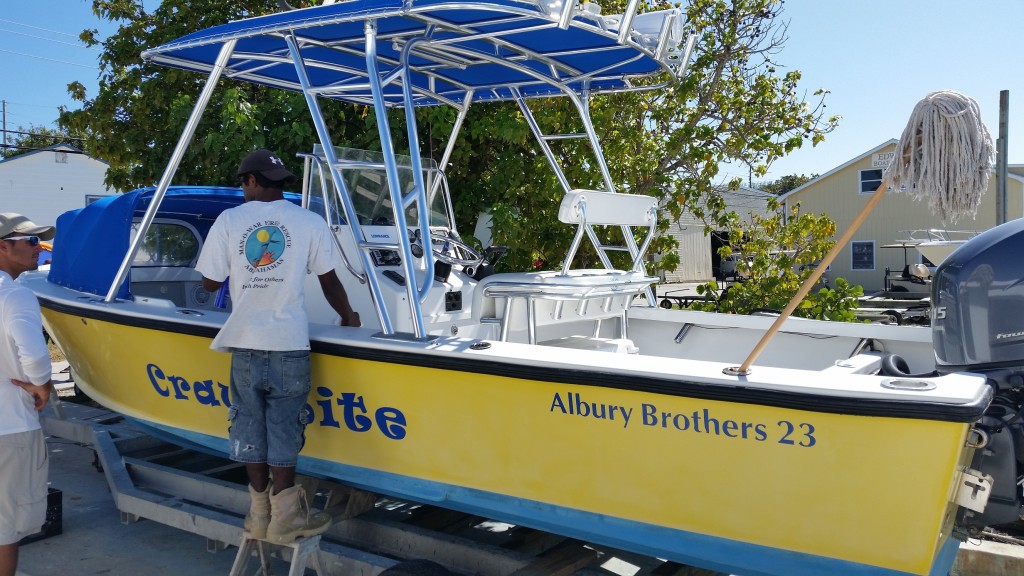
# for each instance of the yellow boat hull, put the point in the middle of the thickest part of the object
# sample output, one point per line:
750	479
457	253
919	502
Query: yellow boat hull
748	479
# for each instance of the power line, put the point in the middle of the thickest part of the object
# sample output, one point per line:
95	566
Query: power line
43	135
27	104
16	116
78	45
37	27
93	67
29	148
23	120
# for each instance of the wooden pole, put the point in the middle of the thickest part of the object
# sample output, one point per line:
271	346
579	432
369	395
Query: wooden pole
744	369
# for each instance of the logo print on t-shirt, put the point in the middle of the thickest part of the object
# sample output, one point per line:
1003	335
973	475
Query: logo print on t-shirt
265	246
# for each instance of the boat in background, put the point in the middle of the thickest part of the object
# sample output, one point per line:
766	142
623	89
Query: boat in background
936	244
556	399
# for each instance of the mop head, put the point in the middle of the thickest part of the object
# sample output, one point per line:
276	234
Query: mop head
946	155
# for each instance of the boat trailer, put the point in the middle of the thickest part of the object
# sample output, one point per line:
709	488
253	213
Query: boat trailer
206	495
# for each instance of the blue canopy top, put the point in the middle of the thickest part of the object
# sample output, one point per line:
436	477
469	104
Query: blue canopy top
459	46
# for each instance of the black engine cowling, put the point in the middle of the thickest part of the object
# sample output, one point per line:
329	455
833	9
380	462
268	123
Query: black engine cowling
978	326
978	302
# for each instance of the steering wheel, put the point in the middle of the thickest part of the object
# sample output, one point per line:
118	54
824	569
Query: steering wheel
473	258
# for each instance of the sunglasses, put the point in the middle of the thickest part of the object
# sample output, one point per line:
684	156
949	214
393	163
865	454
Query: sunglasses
32	240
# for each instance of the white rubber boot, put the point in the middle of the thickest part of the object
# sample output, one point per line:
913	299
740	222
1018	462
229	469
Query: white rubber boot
291	518
258	518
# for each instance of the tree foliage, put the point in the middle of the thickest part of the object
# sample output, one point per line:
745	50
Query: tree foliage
32	138
777	255
134	121
784	184
732	106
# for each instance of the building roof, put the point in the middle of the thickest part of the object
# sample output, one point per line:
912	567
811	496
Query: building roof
61	147
1014	171
741	197
854	160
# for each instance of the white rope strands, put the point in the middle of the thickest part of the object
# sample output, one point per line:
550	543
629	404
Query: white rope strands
945	155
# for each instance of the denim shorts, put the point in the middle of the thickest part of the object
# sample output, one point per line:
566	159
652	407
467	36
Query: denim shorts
268	406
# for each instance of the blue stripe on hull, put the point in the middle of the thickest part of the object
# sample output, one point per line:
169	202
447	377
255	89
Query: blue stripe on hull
729	556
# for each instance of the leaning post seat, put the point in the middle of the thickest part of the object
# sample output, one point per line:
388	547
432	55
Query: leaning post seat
528	300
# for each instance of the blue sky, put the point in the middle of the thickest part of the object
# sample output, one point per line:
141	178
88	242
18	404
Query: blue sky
877	58
40	55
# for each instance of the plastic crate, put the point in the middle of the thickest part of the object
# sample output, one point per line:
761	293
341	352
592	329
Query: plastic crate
54	523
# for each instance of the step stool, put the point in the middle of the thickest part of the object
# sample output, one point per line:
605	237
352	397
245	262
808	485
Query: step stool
305	551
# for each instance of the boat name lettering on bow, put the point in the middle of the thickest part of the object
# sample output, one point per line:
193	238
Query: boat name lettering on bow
575	405
700	421
203	390
703	422
391	421
349	410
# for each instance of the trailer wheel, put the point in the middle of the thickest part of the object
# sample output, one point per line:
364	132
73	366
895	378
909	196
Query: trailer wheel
666	304
894	317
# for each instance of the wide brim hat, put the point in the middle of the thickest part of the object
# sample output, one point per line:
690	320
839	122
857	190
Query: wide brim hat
14	223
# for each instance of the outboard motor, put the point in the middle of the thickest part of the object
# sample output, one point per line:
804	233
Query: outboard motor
978	326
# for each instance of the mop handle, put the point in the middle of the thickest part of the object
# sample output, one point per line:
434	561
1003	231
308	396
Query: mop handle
744	369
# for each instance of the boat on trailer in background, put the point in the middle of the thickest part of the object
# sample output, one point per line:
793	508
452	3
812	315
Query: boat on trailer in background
912	282
563	400
936	244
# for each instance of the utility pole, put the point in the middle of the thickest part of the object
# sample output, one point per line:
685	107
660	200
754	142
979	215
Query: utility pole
5	126
1001	159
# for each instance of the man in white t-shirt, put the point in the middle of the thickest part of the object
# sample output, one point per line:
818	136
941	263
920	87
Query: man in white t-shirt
264	249
24	390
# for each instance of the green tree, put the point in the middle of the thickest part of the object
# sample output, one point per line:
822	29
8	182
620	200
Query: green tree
784	184
134	121
777	255
32	138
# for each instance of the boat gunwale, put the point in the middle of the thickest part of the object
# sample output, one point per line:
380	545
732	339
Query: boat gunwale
391	351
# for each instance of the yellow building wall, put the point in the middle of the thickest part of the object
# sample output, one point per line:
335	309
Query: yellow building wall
838	195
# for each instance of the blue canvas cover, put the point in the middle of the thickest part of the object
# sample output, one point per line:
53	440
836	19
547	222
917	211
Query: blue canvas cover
483	47
91	242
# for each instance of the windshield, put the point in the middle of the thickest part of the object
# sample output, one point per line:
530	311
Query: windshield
166	244
366	181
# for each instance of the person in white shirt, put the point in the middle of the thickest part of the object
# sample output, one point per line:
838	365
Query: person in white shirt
24	390
264	249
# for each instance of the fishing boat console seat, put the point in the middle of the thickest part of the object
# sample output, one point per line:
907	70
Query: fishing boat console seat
521	304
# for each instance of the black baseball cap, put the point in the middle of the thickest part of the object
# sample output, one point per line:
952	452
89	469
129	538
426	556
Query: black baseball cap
266	163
